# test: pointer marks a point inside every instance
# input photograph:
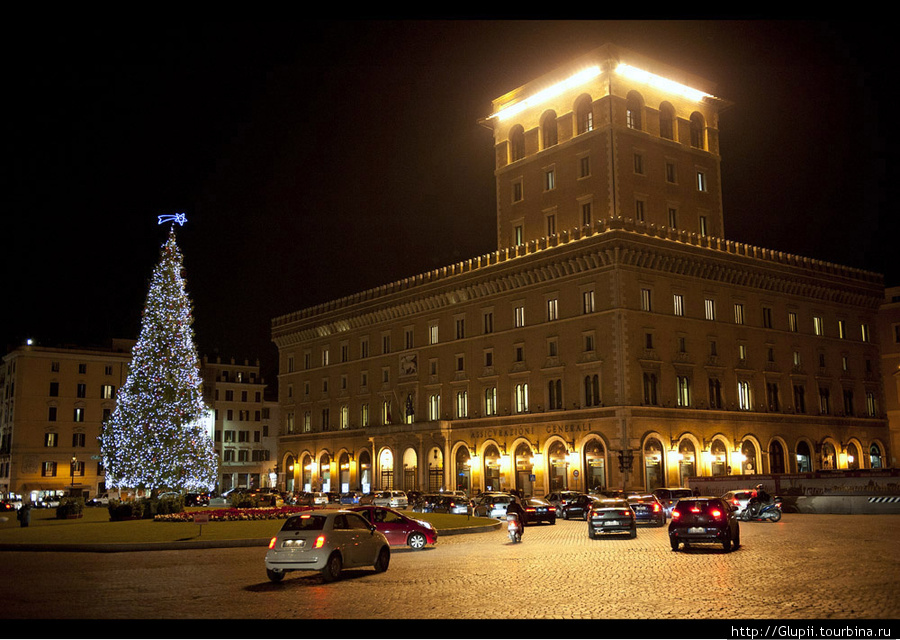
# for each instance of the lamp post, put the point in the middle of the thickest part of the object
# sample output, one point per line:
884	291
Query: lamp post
72	467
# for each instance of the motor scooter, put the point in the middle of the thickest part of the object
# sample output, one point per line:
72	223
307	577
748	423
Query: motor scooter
770	511
514	527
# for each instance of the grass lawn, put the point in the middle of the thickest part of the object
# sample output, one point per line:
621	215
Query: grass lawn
95	528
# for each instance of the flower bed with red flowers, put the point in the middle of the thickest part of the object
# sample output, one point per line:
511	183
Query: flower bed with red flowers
233	515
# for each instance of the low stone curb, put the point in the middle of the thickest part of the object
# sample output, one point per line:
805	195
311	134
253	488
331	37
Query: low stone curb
184	545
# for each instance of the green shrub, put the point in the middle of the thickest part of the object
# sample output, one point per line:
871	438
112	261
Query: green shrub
165	506
70	507
241	500
119	510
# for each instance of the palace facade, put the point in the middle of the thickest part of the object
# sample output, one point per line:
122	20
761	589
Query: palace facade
615	338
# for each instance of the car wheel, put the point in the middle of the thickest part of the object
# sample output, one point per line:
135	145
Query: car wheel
726	543
384	559
674	543
333	568
275	576
585	515
416	540
591	534
565	514
633	533
737	539
552	520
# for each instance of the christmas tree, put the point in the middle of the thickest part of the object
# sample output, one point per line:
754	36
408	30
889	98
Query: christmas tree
155	436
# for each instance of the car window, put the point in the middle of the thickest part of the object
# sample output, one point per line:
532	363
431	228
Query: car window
355	521
304	523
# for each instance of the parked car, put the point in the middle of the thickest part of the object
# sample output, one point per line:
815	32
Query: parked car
704	520
538	510
101	500
453	504
196	499
647	508
668	496
326	541
575	506
48	502
739	499
393	499
426	502
333	497
492	505
312	499
397	528
351	497
559	500
611	515
7	505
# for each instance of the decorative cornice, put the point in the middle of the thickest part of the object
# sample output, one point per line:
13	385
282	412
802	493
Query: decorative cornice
620	242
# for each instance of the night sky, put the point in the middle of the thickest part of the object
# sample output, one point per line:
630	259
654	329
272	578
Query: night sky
317	159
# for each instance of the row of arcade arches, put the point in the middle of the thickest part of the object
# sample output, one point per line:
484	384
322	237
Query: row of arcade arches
560	464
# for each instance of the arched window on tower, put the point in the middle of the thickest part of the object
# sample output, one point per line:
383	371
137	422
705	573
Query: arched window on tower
667	121
698	131
516	143
634	106
584	114
549	135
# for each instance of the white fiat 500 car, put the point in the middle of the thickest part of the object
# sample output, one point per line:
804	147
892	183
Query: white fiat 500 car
326	541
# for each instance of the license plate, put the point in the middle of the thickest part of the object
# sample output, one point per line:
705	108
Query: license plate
696	530
614	523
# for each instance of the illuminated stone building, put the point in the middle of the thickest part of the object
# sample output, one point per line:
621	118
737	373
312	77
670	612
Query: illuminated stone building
615	338
53	403
246	423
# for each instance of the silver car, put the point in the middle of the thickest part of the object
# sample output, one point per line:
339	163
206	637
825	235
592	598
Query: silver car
326	541
738	499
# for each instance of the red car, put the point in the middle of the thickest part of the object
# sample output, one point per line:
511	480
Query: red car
397	528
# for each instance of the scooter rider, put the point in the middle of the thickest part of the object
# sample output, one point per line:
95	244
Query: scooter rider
515	507
761	498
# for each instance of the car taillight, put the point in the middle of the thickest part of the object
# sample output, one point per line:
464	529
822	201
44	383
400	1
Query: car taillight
675	515
695	509
530	509
320	542
656	507
272	543
715	513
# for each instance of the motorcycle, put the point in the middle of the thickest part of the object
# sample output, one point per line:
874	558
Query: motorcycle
769	511
514	527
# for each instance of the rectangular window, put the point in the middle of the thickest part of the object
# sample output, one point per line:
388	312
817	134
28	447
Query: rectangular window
519	235
78	415
645	300
51	440
551	225
683	384
799	398
738	313
487	322
670	172
638	164
434	407
490	401
709	306
48	470
462	404
522	397
650	387
864	332
584	167
842	330
433	333
678	304
639	210
517	191
77	439
587	301
793	325
552	309
519	316
673	218
704	227
460	328
586	214
767	317
745	402
818	326
701	181
549	180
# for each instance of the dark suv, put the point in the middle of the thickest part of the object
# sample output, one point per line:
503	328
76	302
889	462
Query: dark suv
704	519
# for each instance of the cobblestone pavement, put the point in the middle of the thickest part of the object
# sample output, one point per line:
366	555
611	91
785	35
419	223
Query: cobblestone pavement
824	567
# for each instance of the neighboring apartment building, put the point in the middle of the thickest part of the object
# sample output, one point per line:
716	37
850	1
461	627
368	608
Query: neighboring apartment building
246	424
53	403
616	338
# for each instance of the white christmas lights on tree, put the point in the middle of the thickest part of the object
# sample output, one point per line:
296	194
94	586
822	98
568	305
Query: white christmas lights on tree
155	437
